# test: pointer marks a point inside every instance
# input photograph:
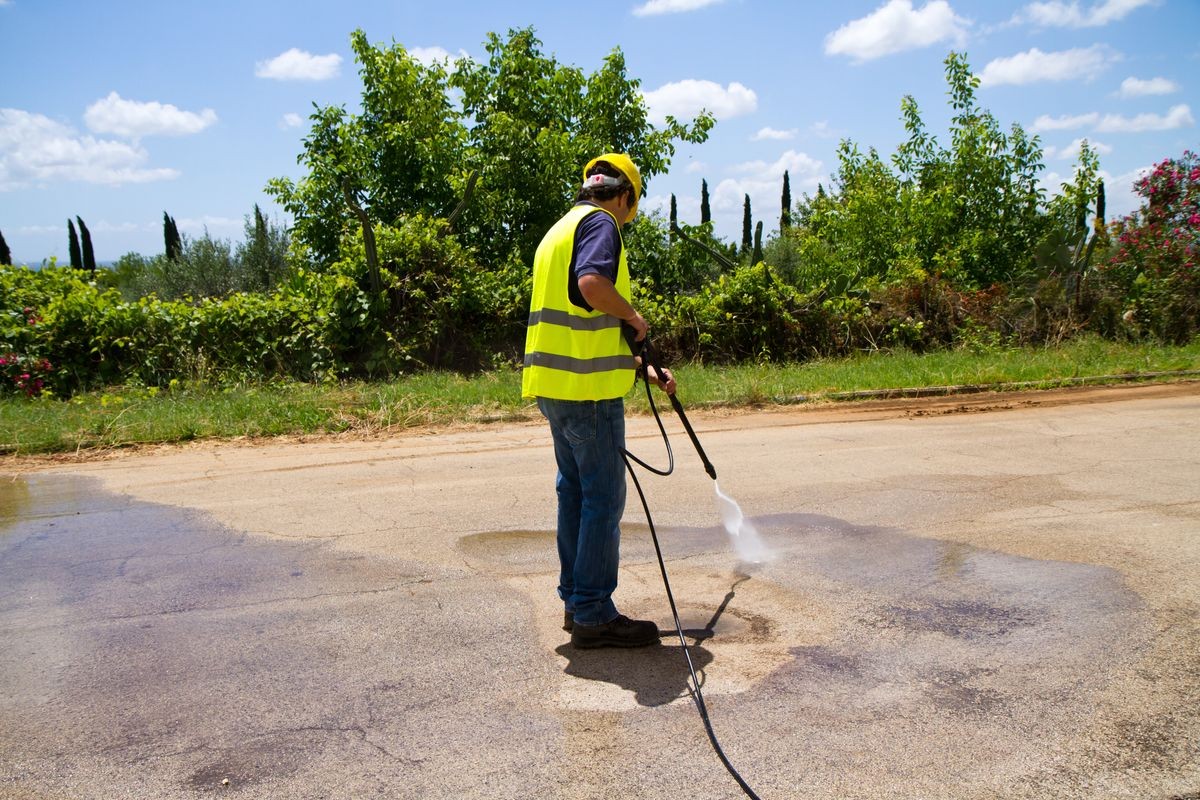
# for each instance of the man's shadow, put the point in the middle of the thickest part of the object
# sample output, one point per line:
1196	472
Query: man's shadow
657	674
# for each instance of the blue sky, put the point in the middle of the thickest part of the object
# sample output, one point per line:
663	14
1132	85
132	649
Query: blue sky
117	111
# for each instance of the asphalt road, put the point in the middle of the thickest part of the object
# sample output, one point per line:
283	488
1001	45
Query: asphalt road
991	597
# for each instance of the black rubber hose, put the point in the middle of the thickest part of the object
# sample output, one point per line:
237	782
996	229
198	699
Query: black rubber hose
697	695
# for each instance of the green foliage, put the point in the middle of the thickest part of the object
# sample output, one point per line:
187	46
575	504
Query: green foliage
261	257
971	213
663	265
1154	260
534	123
6	254
748	313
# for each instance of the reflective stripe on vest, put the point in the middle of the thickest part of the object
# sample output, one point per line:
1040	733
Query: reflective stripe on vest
572	353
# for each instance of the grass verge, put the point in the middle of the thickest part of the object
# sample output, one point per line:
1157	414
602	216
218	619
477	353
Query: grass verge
125	416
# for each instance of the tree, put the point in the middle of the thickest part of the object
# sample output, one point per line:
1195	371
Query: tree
673	220
172	242
73	245
785	201
758	247
747	228
89	257
6	254
261	258
520	122
705	210
537	122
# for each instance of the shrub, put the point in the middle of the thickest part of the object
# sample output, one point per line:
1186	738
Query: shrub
1153	264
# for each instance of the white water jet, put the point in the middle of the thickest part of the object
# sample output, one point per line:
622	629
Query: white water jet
746	541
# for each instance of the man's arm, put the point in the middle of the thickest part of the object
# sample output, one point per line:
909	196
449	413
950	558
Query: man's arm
603	296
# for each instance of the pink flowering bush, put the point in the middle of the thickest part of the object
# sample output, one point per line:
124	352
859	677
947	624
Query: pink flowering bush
24	374
1156	249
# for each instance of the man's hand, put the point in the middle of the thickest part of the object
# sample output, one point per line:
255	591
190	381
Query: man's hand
662	378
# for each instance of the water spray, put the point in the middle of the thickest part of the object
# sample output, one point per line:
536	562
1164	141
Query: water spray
745	537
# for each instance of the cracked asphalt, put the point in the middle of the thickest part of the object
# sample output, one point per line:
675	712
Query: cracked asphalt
994	596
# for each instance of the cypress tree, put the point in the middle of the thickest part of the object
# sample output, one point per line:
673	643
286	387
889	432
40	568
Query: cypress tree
785	216
1098	223
73	245
747	227
89	257
5	253
705	211
171	241
758	253
674	217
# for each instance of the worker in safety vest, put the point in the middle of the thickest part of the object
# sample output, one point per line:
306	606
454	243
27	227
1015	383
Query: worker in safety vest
579	367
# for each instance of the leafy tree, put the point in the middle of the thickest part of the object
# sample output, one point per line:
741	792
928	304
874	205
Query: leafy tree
972	213
6	254
525	127
173	244
537	122
705	210
261	258
89	256
747	228
785	201
399	155
73	246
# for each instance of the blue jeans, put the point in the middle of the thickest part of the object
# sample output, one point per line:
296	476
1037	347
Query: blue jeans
588	438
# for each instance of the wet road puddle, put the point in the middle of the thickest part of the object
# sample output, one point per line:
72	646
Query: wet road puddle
895	621
138	639
145	640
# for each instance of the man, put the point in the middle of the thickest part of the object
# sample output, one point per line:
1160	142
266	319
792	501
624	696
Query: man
579	367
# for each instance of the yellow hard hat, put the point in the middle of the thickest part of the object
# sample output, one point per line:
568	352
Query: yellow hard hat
626	167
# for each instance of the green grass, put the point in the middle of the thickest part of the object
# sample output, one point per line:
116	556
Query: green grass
126	416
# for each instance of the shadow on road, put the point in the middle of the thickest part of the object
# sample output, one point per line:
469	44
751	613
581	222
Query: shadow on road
656	675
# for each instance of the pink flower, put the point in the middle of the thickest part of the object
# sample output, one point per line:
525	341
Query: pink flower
1194	219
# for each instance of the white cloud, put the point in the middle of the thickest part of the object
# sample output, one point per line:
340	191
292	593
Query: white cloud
763	181
1065	122
1071	151
653	7
773	135
35	149
823	130
1034	65
298	65
133	119
291	120
432	55
684	99
1135	87
696	166
197	226
896	27
1179	116
1057	14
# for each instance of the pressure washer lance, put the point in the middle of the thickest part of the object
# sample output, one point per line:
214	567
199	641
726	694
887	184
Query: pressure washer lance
643	350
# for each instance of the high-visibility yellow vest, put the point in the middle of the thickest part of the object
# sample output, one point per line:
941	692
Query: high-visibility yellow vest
572	353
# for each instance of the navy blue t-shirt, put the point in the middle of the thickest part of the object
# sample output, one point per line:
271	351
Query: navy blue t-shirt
597	251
